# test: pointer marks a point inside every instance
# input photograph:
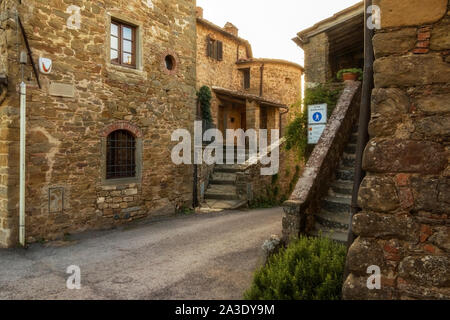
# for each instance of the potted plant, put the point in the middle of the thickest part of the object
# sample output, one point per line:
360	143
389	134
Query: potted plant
350	74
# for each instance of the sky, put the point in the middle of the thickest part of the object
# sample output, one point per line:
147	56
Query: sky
270	25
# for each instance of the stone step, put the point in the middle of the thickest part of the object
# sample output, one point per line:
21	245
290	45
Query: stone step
228	168
342	187
221	192
235	150
212	205
345	173
349	159
224	178
333	220
350	148
232	161
354	137
336	235
337	203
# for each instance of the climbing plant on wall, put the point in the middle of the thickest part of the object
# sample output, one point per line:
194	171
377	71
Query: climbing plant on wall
322	94
204	97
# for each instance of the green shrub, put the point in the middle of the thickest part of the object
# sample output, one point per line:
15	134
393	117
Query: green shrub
204	97
309	269
321	94
296	136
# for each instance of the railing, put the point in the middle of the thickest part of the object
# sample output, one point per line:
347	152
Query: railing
300	209
250	173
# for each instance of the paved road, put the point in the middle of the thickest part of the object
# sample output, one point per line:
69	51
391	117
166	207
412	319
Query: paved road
209	256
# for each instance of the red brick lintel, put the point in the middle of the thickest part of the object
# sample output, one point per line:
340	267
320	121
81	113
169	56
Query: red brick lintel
122	125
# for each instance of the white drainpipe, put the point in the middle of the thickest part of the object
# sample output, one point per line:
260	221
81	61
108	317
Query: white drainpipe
23	114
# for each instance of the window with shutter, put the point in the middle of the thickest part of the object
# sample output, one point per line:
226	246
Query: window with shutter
214	48
209	47
246	75
219	50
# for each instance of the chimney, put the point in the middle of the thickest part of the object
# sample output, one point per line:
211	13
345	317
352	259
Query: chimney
231	28
199	12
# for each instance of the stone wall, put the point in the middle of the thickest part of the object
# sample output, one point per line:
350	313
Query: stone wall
204	172
8	130
403	227
281	80
315	179
3	43
317	67
86	96
269	190
211	72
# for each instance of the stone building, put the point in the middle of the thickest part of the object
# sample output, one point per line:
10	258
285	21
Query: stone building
247	92
333	44
403	227
99	123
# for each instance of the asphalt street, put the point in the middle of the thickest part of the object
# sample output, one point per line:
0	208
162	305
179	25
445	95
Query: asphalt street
209	256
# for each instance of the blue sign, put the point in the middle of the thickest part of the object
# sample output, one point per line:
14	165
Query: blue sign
317	114
317	117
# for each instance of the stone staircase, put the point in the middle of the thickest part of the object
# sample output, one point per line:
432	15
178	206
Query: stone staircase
221	193
333	219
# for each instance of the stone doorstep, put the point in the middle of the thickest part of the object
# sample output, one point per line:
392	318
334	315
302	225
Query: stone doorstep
211	205
216	195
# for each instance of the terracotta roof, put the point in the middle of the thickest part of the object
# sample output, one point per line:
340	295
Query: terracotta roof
278	61
248	96
227	34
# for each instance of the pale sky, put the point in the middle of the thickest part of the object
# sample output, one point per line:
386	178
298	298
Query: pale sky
270	25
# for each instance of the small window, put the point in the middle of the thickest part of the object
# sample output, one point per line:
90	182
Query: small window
121	155
214	49
123	44
246	78
170	62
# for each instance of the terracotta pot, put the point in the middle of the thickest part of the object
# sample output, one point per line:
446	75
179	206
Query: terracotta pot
350	76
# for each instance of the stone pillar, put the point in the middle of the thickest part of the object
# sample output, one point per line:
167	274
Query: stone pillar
317	66
252	110
403	227
9	132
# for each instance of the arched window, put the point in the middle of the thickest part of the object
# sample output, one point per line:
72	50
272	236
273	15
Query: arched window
121	155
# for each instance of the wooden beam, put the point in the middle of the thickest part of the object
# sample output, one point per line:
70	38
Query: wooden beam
230	99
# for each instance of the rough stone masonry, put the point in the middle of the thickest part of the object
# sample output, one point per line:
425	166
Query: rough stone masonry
85	98
404	226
